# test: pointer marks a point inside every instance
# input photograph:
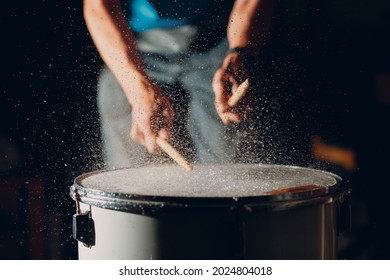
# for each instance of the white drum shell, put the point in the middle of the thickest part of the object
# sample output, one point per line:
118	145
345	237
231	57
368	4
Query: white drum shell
307	232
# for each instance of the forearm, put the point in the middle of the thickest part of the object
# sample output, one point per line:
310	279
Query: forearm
114	40
249	24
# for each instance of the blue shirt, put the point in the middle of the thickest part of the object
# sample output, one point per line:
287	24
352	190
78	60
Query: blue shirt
150	14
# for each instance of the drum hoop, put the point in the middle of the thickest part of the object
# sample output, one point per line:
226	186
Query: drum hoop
141	203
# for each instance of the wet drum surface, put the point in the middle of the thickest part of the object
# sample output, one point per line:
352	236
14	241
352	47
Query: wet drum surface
218	181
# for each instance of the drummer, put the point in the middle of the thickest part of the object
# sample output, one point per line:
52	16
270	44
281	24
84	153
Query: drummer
170	67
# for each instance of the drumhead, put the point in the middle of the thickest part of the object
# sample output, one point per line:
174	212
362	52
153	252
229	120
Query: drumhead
217	184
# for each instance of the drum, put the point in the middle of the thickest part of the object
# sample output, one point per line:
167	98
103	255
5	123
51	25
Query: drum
237	211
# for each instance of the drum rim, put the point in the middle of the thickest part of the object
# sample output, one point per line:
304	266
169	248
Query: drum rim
136	202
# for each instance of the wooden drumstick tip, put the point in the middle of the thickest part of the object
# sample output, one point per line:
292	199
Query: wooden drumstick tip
173	153
239	93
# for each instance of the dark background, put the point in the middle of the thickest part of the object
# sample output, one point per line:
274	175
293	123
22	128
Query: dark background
49	131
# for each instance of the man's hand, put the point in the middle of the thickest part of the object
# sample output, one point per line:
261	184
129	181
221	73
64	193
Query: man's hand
226	80
152	114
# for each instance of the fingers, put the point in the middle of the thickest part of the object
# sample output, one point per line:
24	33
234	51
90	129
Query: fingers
222	87
153	120
145	137
226	114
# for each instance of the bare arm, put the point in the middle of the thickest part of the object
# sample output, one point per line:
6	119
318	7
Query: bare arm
151	110
249	24
113	39
248	27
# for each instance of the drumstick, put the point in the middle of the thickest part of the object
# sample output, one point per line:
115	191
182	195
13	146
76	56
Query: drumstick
239	93
173	153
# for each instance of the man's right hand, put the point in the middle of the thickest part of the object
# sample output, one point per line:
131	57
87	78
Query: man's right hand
152	114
